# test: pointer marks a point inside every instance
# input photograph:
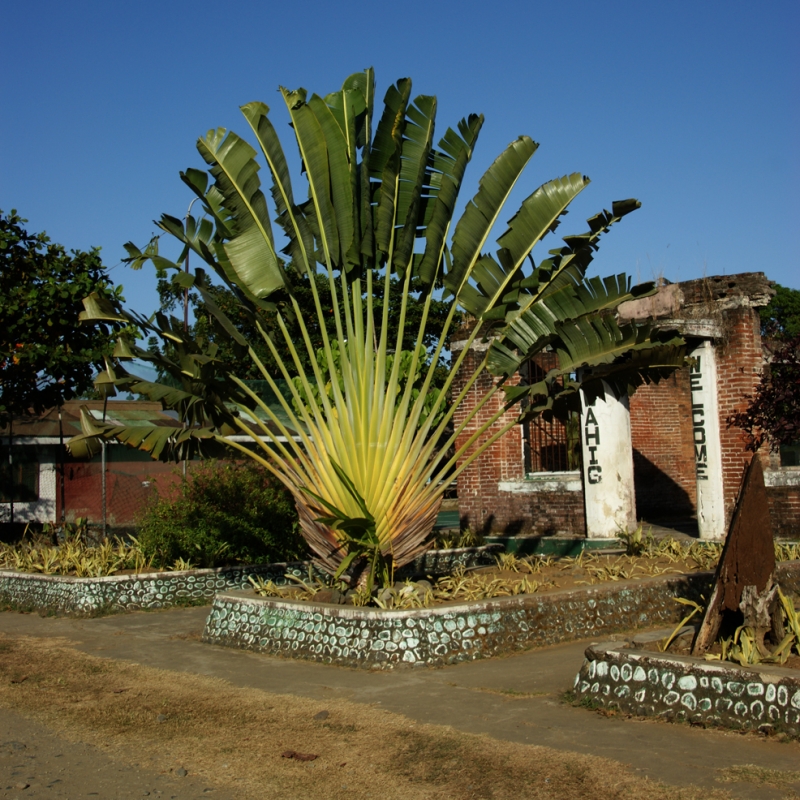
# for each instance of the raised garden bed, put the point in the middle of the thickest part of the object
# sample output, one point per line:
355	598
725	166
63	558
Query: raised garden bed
682	688
508	575
65	594
447	634
554	545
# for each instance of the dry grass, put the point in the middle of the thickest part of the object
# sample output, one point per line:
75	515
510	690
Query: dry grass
510	576
750	773
234	737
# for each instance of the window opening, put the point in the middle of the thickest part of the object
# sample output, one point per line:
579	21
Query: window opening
790	455
19	480
549	445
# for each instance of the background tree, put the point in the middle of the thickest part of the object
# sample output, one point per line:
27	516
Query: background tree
773	415
774	412
46	357
223	513
781	318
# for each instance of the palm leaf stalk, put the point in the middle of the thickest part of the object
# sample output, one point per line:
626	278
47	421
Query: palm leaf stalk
365	456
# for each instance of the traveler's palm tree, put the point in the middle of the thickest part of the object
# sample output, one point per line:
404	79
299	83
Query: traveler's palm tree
369	458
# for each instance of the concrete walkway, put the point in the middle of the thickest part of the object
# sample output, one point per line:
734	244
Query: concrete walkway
516	698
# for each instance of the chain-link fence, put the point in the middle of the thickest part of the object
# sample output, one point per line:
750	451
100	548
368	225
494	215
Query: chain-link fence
113	489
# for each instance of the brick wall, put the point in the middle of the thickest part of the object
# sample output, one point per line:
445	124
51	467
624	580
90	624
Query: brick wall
739	364
526	508
662	440
661	423
784	511
550	513
130	485
478	495
483	505
663	451
783	496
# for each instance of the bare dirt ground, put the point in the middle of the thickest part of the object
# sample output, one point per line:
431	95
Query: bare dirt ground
37	763
75	725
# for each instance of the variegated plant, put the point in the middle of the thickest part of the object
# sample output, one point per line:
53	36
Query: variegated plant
367	457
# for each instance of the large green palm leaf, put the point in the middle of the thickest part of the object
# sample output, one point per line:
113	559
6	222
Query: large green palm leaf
250	249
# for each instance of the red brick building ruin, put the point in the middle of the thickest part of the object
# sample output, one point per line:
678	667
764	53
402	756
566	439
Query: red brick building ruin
675	461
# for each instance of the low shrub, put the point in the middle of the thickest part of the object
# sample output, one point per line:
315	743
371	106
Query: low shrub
223	513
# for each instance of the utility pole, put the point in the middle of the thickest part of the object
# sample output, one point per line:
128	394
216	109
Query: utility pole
186	297
63	465
11	485
103	488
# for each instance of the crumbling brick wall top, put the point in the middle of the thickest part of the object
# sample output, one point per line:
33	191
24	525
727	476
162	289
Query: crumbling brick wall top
747	289
703	297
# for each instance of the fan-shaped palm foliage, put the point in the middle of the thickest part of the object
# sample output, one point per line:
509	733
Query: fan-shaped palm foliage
366	457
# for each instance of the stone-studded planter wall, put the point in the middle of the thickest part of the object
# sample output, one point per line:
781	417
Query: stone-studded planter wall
447	634
682	688
61	594
372	638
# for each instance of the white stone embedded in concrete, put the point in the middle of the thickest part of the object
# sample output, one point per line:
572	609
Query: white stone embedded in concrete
608	466
72	595
682	688
707	445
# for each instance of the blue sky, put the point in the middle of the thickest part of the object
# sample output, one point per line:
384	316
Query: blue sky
690	107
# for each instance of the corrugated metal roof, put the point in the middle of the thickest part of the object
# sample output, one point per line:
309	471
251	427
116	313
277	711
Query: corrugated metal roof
132	413
118	412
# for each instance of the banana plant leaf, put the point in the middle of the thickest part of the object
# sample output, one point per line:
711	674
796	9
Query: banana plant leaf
162	443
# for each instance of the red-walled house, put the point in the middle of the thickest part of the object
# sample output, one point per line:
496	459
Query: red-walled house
50	485
670	457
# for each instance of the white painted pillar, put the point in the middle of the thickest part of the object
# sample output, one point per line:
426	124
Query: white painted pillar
707	446
607	466
45	509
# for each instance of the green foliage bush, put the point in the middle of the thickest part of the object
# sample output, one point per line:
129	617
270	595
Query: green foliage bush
224	513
